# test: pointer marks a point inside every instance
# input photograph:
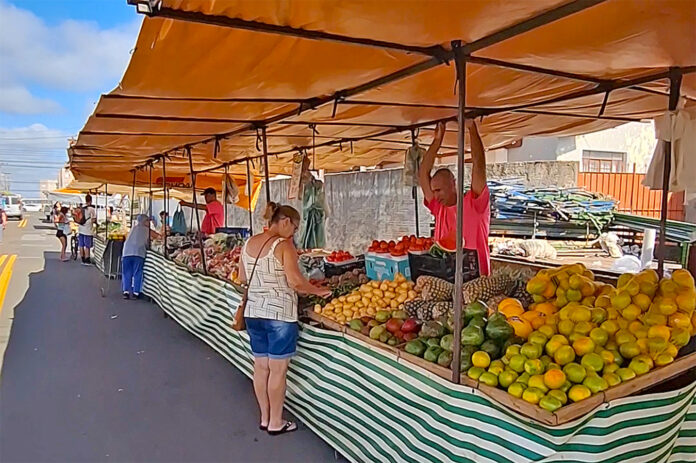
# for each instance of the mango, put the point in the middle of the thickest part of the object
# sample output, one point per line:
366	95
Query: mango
579	392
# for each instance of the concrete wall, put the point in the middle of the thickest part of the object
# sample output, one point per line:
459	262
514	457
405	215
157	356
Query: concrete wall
375	205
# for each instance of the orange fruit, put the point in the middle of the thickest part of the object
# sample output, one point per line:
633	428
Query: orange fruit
659	331
632	312
610	326
679	337
596	384
583	345
481	359
579	392
558	394
537	381
554	379
629	350
564	355
663	359
667	306
575	373
683	278
549	291
621	300
679	320
550	403
592	362
602	301
532	395
686	300
642	300
516	389
668	288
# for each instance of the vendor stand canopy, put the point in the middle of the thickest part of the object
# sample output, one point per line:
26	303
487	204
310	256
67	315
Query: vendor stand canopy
351	82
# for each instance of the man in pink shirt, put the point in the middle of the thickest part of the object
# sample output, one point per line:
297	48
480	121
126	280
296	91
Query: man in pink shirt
440	191
214	212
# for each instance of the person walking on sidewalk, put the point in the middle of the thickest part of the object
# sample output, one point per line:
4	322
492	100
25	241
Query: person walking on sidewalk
271	270
63	230
133	259
87	218
3	222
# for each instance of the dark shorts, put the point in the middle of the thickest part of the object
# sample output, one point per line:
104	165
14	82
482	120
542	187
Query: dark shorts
60	234
85	241
272	338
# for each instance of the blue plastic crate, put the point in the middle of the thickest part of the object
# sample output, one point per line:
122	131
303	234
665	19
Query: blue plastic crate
385	267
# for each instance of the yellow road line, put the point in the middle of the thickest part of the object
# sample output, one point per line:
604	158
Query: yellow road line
5	278
2	259
23	223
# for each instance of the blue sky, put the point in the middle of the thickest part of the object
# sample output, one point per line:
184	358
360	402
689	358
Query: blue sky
56	58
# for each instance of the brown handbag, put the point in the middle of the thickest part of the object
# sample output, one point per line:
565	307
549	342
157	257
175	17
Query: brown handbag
239	324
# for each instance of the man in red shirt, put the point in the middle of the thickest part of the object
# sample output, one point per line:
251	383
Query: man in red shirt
214	211
440	191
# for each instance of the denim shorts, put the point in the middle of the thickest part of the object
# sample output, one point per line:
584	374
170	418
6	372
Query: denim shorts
272	338
85	241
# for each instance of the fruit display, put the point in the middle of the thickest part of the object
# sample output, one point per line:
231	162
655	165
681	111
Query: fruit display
402	247
436	294
483	336
392	328
583	336
369	299
222	254
337	257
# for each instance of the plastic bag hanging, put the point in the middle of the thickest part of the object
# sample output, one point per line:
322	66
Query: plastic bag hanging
412	159
230	189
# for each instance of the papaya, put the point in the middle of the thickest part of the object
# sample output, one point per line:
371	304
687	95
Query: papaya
491	348
445	358
415	347
447	342
475	309
472	335
498	328
432	353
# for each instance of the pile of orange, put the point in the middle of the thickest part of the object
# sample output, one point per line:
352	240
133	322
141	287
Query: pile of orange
584	336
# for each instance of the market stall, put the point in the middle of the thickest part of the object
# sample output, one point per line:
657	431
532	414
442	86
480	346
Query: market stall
378	396
371	404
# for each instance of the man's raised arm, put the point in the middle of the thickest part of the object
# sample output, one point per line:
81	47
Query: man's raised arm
429	160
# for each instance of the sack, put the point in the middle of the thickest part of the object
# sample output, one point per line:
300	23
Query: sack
179	222
412	159
239	324
230	190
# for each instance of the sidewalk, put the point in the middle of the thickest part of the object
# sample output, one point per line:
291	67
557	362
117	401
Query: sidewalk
87	378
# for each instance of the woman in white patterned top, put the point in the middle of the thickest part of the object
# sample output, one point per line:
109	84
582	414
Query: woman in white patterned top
271	262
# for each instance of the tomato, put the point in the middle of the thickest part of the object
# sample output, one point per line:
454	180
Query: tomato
392	243
374	244
383	245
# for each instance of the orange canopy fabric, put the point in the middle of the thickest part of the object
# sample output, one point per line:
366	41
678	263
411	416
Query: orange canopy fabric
204	70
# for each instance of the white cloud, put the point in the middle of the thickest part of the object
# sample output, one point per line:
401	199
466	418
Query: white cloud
16	99
36	138
70	56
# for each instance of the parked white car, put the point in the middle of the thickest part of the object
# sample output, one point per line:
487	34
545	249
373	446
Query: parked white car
32	207
12	204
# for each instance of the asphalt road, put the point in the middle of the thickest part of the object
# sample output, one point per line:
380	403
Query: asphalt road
92	379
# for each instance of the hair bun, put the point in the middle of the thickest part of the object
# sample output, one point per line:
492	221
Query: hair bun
271	209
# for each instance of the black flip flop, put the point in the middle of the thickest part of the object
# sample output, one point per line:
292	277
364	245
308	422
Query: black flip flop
285	429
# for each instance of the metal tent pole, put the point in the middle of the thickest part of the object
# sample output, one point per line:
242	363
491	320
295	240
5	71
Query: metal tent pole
674	88
149	206
265	164
251	213
164	195
106	209
132	202
224	195
195	209
460	63
414	189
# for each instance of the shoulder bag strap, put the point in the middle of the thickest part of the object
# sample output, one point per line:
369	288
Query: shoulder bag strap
253	269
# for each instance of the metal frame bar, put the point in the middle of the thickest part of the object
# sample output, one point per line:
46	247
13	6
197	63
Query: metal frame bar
224	195
195	210
166	200
249	194
149	209
131	200
265	164
460	63
674	89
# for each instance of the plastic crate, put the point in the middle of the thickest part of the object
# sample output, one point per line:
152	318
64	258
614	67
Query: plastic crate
425	264
385	267
241	231
337	268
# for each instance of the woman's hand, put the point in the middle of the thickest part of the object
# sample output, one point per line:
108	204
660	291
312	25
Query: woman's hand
323	293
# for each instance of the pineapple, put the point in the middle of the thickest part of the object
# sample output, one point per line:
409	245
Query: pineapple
434	289
503	280
412	308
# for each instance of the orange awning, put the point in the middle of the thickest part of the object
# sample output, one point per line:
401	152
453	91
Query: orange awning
350	81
